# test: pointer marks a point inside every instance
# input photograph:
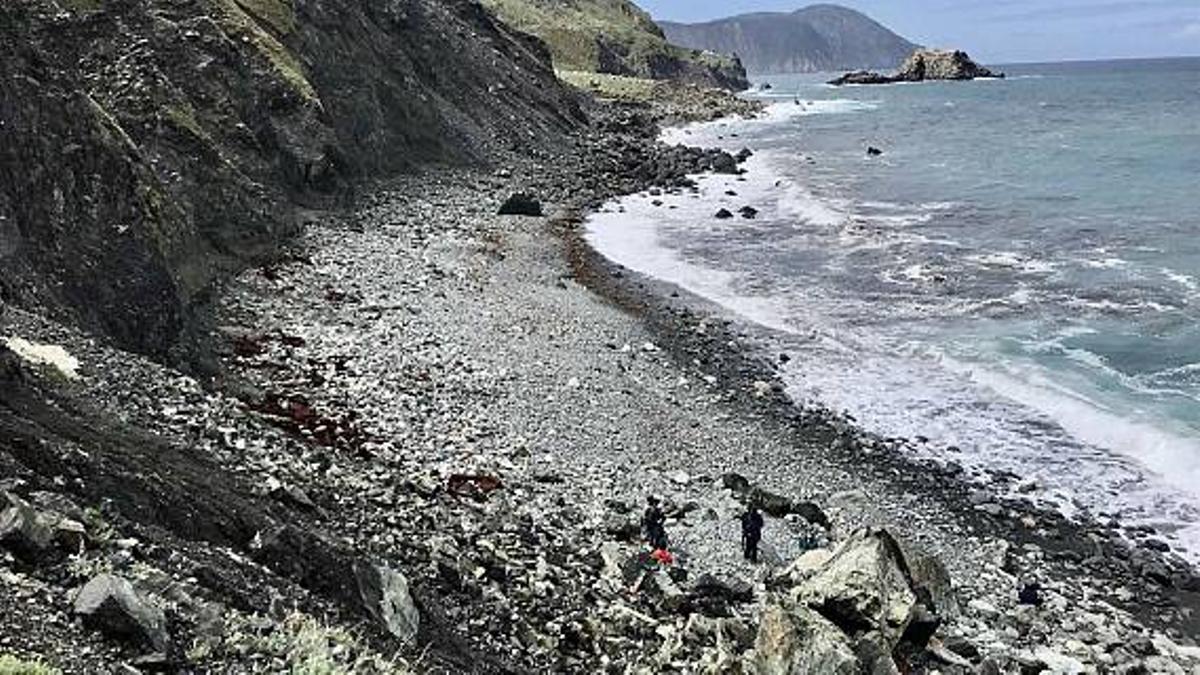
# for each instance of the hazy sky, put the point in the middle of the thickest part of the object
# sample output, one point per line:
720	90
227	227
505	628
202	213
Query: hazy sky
1004	30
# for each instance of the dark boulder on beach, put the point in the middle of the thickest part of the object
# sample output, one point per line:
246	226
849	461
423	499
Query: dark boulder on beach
748	212
521	204
873	151
723	214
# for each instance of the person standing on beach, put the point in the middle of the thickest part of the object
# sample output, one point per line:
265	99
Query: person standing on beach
752	526
654	524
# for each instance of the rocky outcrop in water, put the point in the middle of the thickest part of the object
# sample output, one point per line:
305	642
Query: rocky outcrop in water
922	65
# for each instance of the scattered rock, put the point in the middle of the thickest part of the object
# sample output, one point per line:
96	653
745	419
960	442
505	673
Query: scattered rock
798	641
873	151
521	204
723	214
385	595
110	604
23	530
864	587
748	212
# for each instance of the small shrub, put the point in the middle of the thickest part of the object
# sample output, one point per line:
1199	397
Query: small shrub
11	665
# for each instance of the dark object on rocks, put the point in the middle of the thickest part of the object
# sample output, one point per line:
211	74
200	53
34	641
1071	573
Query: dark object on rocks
1030	594
743	155
723	214
776	506
922	65
23	531
873	151
521	204
1156	545
622	528
962	647
922	624
246	346
748	212
477	486
109	604
738	483
712	596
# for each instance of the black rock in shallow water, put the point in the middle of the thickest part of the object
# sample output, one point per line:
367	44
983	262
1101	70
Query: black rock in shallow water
748	212
723	214
521	204
873	151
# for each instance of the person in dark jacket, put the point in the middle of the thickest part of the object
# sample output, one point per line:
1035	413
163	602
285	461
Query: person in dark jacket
654	524
752	526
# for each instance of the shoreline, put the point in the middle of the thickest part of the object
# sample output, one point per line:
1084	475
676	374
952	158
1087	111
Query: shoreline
421	346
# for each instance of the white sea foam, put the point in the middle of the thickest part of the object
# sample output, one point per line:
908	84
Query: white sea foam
1002	411
708	133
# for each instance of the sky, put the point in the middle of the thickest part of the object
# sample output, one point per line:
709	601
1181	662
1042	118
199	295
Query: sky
1003	31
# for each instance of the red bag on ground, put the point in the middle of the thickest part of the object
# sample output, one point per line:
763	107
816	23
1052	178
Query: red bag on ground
663	556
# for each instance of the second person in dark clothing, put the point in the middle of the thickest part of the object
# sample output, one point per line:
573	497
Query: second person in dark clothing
654	525
752	526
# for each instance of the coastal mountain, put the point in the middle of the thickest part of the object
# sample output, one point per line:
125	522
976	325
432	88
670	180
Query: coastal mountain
615	37
818	38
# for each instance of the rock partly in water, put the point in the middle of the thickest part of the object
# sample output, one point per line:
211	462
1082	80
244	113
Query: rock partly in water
942	64
723	214
922	65
110	604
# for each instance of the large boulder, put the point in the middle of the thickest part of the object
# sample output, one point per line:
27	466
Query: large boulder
22	530
931	581
385	595
863	588
798	641
110	604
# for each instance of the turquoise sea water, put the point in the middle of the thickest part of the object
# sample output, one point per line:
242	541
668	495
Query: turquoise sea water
1016	278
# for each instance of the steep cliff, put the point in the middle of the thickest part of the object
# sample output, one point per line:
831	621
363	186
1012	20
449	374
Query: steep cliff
615	37
149	147
814	39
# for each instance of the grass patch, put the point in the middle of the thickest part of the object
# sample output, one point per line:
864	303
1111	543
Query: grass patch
11	665
251	26
81	5
616	87
299	645
574	33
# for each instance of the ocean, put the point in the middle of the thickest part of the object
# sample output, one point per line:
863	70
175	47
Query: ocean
1015	279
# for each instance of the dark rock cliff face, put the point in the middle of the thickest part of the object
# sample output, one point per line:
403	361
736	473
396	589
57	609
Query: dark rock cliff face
814	39
149	147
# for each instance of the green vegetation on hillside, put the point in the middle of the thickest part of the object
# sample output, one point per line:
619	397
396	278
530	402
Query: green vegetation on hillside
615	37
